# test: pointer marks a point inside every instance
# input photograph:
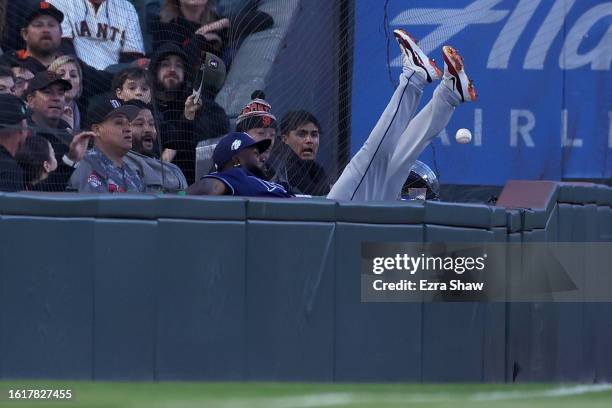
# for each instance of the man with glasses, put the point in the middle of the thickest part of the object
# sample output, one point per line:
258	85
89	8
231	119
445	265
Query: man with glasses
13	133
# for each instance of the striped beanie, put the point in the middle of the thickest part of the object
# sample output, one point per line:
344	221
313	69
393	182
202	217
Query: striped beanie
256	114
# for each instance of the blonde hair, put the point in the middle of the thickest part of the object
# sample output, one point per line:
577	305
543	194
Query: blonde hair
67	59
171	10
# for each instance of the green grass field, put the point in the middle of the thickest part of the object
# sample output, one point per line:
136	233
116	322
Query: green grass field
291	395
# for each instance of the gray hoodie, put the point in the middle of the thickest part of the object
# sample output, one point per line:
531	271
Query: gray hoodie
158	176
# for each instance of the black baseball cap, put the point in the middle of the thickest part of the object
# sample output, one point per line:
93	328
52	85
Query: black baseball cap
232	144
12	111
45	79
102	108
44	8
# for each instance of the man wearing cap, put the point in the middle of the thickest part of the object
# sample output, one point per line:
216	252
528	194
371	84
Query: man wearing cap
103	169
46	99
13	132
170	70
42	34
236	158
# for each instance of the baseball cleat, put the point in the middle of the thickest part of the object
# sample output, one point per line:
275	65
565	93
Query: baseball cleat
455	72
415	58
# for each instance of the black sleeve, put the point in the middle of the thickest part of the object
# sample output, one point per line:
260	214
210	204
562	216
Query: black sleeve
58	180
211	121
95	82
11	180
245	23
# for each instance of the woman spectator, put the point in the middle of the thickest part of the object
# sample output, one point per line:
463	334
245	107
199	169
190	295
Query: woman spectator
68	68
196	26
37	159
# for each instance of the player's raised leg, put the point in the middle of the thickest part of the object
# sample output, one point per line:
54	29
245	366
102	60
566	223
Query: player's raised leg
368	167
454	89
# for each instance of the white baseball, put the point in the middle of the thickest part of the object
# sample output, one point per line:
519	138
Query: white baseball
463	136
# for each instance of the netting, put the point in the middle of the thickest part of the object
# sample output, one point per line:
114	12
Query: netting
311	76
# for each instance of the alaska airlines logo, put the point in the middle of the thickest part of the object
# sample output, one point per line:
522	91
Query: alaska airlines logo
452	21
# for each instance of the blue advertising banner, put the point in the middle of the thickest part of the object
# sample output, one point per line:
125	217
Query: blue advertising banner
541	69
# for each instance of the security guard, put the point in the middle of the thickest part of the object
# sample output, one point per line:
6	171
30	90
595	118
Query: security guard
13	132
103	170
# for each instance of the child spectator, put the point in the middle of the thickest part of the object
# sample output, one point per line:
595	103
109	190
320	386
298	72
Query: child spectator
37	159
133	83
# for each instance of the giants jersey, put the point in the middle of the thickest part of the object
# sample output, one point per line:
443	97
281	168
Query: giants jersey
99	37
241	182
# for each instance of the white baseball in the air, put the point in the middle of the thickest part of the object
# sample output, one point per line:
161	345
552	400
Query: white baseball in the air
463	136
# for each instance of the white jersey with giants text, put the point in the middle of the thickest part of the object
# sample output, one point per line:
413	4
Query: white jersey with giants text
100	36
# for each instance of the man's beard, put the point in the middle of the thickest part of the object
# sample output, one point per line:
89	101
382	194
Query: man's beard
175	86
43	51
257	171
138	147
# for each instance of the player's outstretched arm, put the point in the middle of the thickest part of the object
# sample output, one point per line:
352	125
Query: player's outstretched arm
207	186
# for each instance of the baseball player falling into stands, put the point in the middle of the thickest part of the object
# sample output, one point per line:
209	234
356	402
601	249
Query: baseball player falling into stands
380	167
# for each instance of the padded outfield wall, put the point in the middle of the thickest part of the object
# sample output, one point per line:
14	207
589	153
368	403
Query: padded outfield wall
185	288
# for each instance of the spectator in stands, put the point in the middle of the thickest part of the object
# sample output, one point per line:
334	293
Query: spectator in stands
103	170
13	133
103	32
156	174
42	36
294	158
37	159
258	122
179	134
133	83
22	77
7	80
46	99
195	25
69	69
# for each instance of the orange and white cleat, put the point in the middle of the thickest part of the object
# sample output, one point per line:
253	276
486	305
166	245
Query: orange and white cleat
415	58
454	71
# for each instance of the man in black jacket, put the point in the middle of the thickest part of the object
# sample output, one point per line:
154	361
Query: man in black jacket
172	88
46	100
13	132
294	158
